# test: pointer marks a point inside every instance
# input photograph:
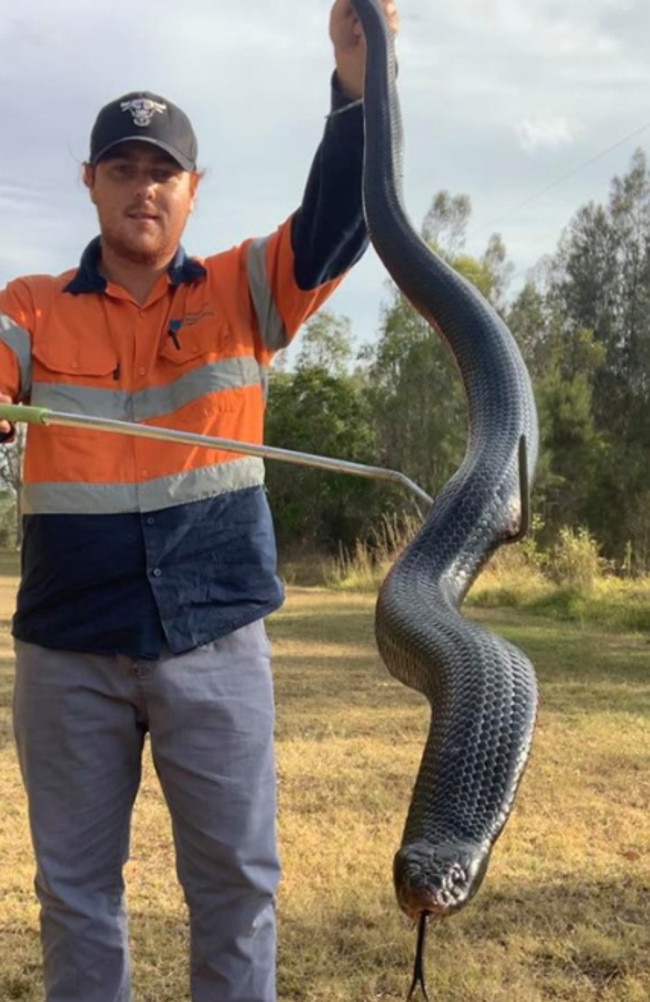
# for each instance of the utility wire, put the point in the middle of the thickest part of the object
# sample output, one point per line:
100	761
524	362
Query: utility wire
554	184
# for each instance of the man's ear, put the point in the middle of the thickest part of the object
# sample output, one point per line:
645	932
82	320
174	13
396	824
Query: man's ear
88	178
195	179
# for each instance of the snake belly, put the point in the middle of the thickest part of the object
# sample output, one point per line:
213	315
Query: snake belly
482	690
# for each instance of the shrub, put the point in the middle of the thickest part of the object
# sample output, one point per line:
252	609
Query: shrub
574	560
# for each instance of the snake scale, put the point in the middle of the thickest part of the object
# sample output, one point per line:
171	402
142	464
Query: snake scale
482	690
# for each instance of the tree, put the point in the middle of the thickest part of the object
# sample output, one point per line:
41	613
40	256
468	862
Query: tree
445	223
528	319
321	408
326	343
11	465
601	282
417	398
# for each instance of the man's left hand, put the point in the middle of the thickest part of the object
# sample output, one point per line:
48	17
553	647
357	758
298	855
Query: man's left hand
350	45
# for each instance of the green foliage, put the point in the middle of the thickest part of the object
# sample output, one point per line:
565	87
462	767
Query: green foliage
321	408
599	296
316	412
611	604
326	343
583	324
416	396
416	399
573	451
574	560
445	223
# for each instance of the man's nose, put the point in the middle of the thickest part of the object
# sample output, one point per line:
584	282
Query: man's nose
145	184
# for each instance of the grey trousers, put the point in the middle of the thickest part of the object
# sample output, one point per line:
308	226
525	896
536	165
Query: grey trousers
80	722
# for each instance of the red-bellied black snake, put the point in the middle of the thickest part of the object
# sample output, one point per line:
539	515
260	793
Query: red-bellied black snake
482	690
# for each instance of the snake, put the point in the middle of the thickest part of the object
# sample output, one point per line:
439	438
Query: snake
482	690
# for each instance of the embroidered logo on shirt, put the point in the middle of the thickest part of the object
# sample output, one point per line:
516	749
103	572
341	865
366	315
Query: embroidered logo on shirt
189	320
143	109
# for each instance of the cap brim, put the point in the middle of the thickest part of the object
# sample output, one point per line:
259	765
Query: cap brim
186	164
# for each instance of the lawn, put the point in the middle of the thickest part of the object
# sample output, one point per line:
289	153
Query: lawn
564	913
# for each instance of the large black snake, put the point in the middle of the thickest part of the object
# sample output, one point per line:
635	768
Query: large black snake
482	690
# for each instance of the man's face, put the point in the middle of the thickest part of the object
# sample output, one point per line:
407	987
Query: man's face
143	199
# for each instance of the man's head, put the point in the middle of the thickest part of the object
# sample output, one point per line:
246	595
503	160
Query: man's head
142	177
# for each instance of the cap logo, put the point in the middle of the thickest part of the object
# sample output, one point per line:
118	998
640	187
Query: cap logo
143	109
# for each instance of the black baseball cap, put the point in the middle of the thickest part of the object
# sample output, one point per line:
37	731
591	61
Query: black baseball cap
149	118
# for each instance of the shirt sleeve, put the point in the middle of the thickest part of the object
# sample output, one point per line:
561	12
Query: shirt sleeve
16	316
328	232
292	272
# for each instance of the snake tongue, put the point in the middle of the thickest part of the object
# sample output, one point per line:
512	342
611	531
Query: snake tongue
439	879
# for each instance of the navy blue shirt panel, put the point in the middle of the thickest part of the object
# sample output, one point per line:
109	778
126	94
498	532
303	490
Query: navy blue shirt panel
328	232
179	577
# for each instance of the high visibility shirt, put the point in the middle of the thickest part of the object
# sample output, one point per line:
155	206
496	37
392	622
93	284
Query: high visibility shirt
131	544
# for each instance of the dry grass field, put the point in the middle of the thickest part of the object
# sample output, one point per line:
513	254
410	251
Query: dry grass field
564	913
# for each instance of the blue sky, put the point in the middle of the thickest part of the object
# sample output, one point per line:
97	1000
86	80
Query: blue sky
501	99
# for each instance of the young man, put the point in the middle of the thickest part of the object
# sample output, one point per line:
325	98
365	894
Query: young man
148	568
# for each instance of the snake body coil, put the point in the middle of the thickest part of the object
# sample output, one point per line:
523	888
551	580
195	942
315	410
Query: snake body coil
482	690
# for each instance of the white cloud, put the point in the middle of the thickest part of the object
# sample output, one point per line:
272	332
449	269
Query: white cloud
544	134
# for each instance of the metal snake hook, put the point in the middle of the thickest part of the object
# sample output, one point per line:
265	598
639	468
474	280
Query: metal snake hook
418	966
524	491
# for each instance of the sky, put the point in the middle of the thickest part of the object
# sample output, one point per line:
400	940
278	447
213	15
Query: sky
530	107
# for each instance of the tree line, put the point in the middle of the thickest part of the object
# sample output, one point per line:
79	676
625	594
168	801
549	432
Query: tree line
582	321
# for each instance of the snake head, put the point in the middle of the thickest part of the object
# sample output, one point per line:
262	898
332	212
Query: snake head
438	879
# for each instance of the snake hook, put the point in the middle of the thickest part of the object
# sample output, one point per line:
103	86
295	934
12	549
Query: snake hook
524	492
418	966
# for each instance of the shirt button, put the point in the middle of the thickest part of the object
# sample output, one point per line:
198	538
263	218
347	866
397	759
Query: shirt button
142	371
157	573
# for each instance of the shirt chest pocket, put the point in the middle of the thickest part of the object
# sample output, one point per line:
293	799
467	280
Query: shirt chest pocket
73	377
203	371
74	360
196	336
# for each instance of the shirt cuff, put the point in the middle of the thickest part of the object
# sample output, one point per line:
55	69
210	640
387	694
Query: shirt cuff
340	102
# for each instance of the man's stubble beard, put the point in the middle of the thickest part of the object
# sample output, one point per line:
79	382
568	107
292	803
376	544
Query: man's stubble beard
125	250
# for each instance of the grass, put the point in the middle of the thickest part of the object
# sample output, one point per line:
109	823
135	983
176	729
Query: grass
564	913
592	598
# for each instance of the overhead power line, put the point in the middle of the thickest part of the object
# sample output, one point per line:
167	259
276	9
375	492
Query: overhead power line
558	181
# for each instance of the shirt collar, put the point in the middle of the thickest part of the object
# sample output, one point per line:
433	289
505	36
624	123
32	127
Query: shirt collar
88	279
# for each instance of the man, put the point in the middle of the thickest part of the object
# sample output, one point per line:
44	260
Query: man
148	569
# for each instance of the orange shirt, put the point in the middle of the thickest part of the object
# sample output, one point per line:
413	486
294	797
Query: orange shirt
193	357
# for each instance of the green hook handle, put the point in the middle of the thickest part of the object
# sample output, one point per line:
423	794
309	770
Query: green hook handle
23	414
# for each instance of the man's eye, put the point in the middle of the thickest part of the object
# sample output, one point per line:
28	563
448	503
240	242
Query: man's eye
163	175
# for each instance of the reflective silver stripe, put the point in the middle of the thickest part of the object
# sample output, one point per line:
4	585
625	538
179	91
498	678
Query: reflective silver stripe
197	485
264	381
153	402
20	343
152	495
78	499
272	329
231	374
